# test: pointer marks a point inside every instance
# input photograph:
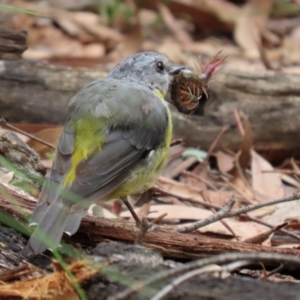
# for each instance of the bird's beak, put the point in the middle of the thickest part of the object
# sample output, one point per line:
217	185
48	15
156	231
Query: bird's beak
174	70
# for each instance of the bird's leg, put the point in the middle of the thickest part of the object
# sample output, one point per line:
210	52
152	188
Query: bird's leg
134	215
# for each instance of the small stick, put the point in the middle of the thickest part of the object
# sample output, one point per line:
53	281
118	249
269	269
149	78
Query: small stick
208	183
176	142
239	123
274	271
228	214
221	214
212	148
206	198
5	124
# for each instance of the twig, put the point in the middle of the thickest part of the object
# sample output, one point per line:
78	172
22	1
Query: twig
221	214
176	142
208	183
229	214
207	269
274	271
283	171
218	259
239	122
159	218
206	198
5	124
212	148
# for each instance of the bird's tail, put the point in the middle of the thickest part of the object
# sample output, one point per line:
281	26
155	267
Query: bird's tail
50	228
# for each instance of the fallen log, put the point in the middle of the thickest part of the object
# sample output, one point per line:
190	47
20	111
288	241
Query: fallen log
168	242
37	92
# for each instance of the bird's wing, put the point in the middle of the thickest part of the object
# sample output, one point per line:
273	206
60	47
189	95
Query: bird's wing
138	128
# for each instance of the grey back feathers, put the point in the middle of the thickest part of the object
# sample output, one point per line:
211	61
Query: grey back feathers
133	121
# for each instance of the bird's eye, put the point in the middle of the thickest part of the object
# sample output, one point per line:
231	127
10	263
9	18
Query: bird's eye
160	66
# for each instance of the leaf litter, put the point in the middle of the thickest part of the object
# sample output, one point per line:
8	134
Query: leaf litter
247	175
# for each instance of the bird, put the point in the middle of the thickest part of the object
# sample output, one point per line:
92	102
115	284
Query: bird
114	143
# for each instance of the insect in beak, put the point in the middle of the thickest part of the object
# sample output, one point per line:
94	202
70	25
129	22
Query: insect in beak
174	70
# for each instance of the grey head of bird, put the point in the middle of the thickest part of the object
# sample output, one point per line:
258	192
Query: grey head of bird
151	69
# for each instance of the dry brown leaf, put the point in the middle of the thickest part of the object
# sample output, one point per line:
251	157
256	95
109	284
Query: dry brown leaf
225	10
293	183
225	161
180	189
94	50
181	35
88	21
291	47
175	212
144	211
174	50
284	212
74	30
262	237
242	160
68	26
91	23
242	187
62	50
218	198
130	45
85	17
266	183
250	24
50	135
241	229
